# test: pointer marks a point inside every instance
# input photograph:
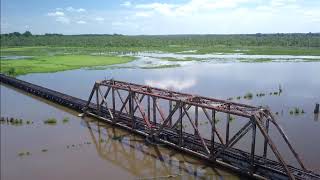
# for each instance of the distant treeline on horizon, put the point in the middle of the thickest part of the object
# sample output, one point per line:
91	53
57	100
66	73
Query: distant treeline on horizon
186	40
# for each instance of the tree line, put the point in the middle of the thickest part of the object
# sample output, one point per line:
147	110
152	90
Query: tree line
118	40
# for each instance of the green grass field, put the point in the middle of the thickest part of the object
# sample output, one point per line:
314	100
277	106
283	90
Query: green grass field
249	50
42	64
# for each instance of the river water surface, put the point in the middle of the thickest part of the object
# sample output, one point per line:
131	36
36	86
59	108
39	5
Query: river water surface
86	149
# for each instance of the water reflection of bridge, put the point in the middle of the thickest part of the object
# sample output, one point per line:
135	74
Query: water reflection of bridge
132	154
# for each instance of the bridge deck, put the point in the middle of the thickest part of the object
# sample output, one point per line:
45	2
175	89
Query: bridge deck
229	157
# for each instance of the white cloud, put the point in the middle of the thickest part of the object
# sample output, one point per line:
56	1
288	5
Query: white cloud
275	3
126	4
63	20
55	14
162	8
312	15
81	22
193	6
81	10
71	9
196	16
100	19
143	14
70	15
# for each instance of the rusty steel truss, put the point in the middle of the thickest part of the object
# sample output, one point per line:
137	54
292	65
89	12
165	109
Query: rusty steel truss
138	108
159	115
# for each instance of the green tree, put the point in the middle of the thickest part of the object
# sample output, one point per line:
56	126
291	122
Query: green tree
27	34
16	34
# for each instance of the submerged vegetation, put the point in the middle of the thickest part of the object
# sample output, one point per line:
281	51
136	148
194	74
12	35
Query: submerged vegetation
19	122
50	121
65	120
161	66
24	153
248	95
178	59
14	121
297	111
231	118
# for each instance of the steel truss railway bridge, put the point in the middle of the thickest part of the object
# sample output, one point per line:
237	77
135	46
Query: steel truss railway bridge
161	115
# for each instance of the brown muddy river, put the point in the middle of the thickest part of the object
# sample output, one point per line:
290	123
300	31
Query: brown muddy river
82	148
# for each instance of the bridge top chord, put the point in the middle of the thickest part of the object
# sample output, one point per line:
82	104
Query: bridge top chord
219	105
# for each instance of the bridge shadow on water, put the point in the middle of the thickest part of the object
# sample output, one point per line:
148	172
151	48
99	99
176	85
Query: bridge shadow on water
146	161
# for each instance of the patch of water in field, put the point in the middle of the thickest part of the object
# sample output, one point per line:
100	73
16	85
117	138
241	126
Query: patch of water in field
15	57
299	83
223	56
160	60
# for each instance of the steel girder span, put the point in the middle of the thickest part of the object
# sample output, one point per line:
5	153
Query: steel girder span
161	115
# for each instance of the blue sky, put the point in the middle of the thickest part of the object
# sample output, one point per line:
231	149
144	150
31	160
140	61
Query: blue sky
160	16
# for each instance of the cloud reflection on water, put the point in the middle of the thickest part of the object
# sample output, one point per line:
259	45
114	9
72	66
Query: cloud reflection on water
172	84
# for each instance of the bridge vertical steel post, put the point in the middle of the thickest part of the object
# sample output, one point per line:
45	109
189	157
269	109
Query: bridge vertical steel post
154	108
196	119
180	122
253	143
113	99
213	129
97	99
170	109
265	148
148	101
130	104
90	97
131	108
228	125
133	95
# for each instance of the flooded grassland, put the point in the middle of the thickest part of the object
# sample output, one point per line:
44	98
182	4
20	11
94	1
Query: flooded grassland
51	142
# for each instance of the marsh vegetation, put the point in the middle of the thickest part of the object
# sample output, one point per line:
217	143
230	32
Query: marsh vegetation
63	52
14	121
65	120
50	121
